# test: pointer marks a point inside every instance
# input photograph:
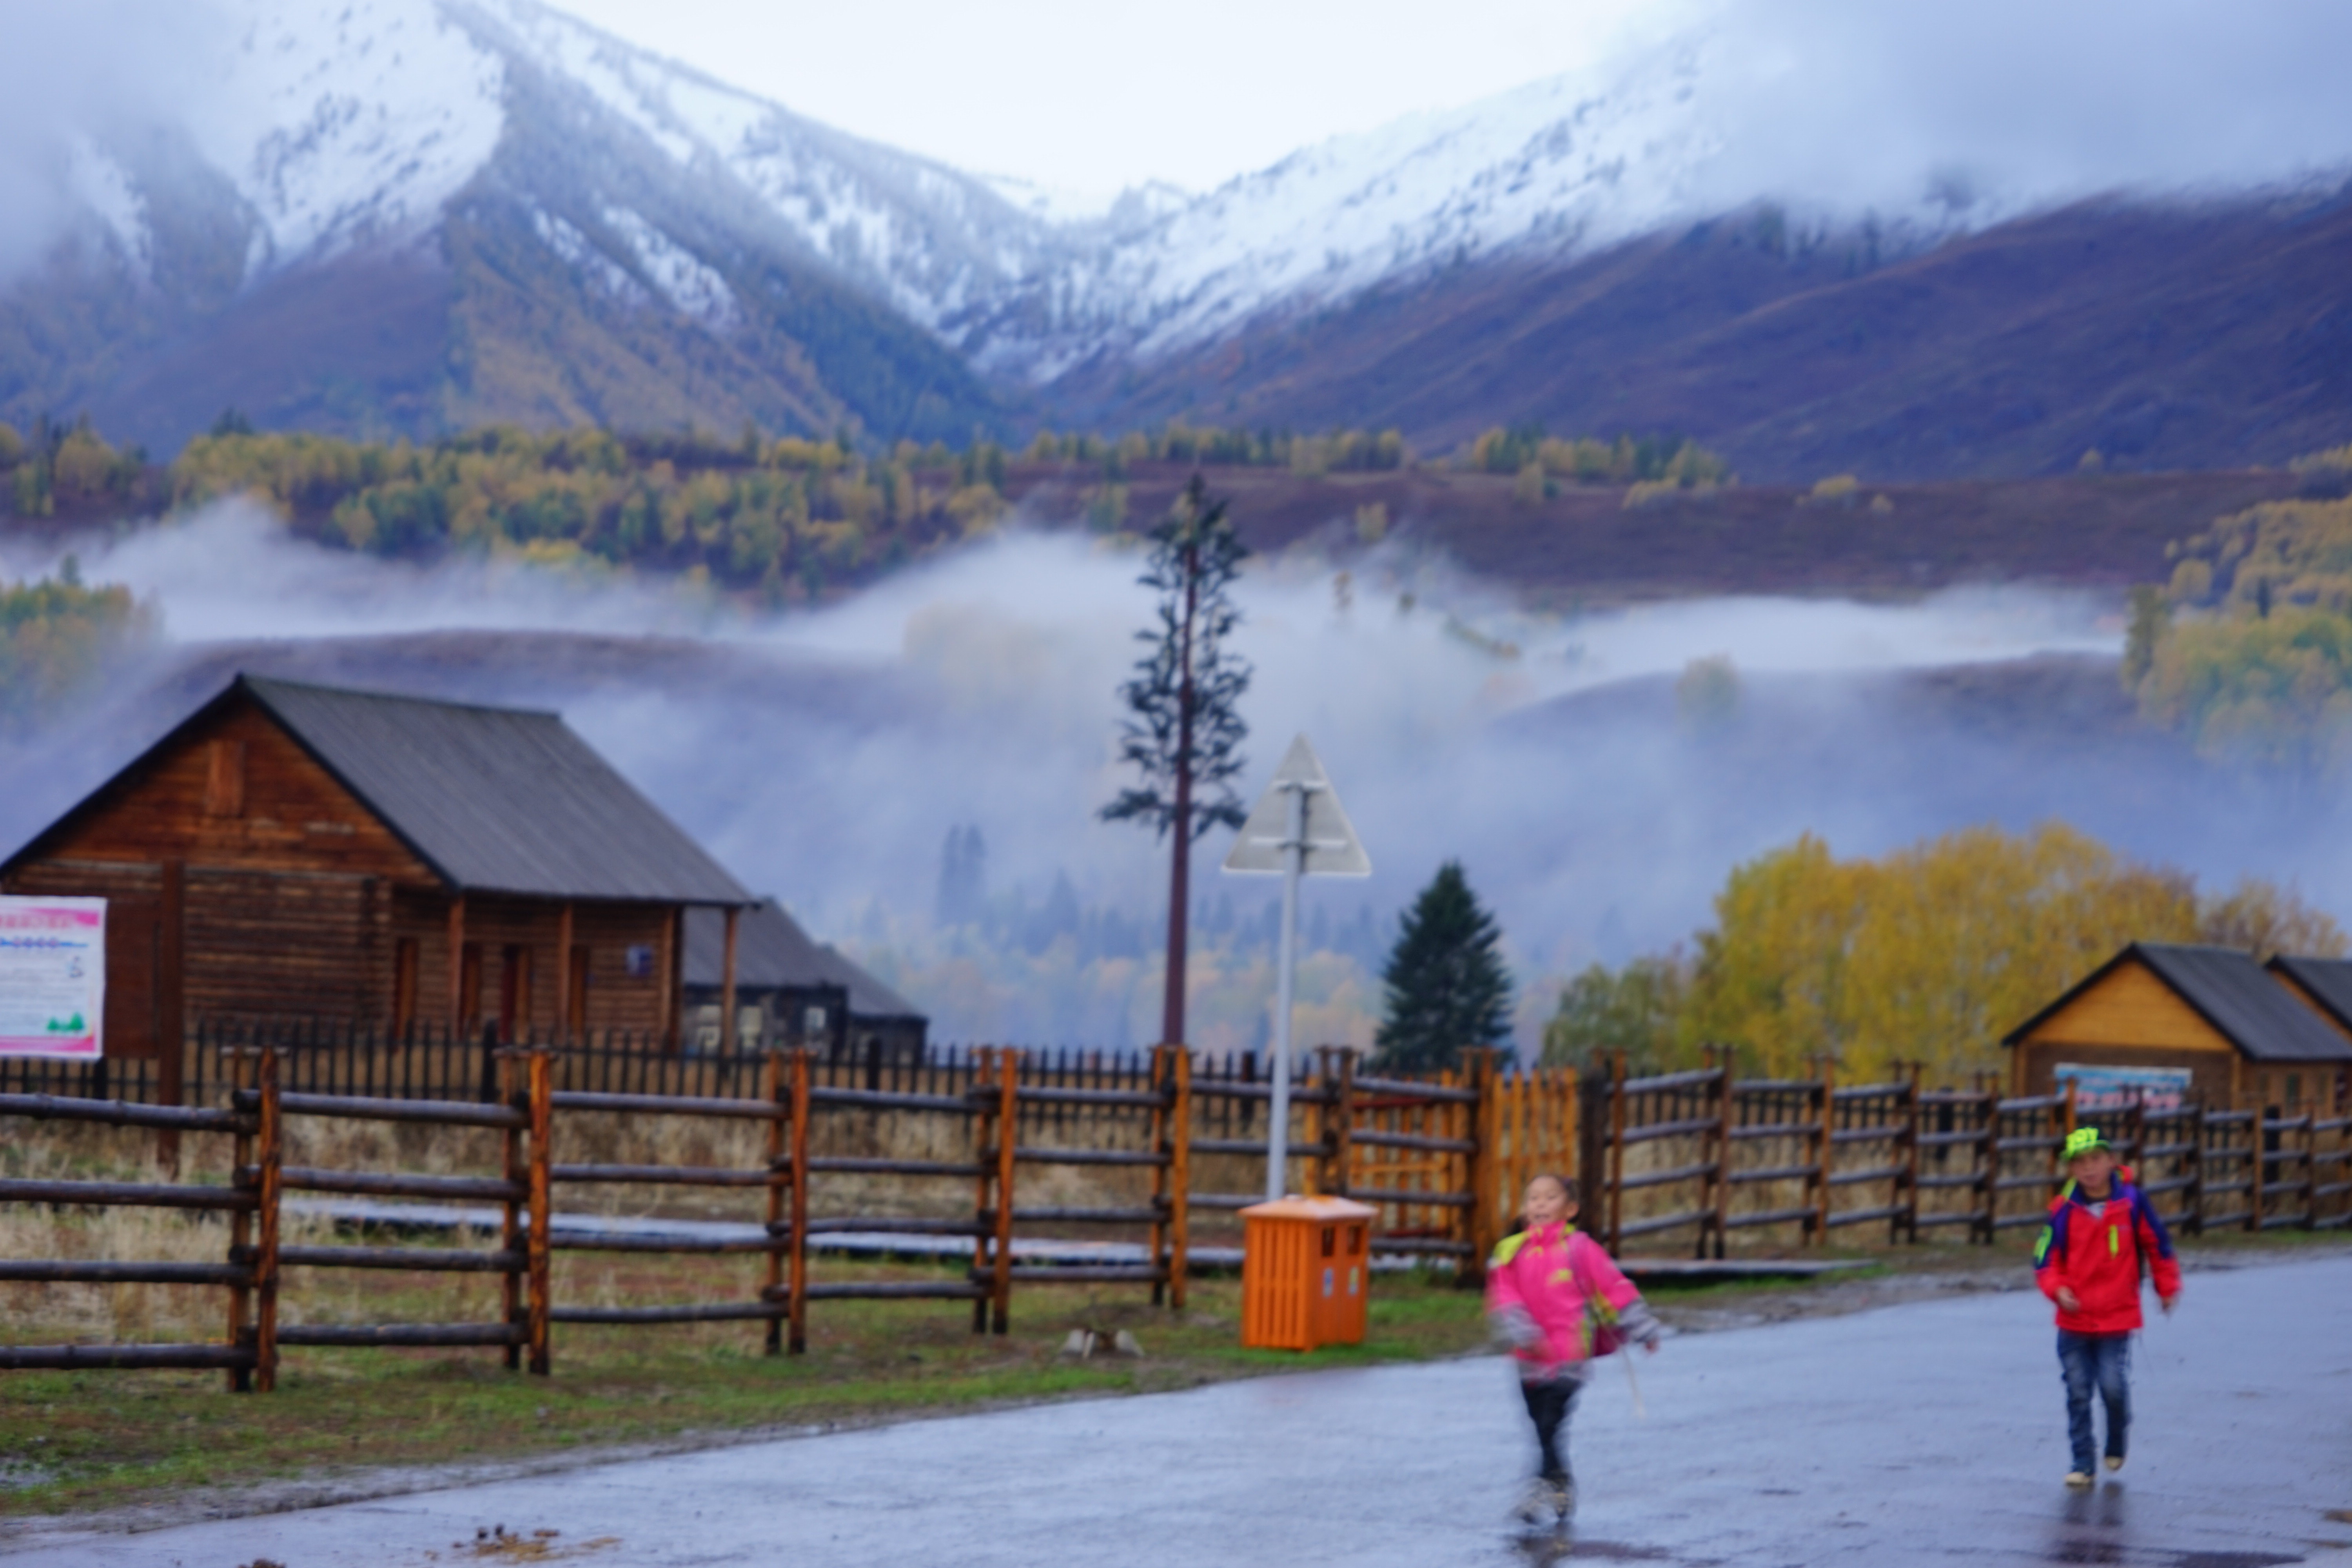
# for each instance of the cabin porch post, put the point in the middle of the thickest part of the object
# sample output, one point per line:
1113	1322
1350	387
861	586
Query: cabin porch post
456	965
726	986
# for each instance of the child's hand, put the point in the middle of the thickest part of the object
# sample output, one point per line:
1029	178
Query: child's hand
2169	1302
2073	1304
1652	1346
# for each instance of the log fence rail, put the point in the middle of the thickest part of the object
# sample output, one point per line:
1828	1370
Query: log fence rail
1696	1157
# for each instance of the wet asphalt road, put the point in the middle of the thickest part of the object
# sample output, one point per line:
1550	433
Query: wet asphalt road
1931	1433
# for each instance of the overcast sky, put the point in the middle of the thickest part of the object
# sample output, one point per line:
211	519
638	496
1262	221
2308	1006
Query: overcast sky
2057	96
1093	96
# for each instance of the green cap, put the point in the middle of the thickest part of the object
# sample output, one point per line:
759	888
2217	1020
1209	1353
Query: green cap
2083	1140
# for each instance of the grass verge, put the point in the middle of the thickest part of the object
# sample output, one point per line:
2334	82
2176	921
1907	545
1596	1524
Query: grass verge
77	1442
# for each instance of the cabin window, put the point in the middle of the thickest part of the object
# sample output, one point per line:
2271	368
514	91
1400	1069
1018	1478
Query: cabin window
638	960
403	984
225	778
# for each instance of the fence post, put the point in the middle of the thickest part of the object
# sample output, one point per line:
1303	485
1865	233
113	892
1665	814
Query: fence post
1616	1151
1343	1156
243	1064
984	1118
541	1238
510	1236
1180	1179
779	1098
1723	1141
2311	1166
1007	1137
799	1257
270	1157
1988	1156
2199	1132
1164	1089
1827	1153
1910	1218
2260	1174
1482	1221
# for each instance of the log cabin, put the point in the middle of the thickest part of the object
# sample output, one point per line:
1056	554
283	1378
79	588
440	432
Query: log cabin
2212	1011
296	851
793	990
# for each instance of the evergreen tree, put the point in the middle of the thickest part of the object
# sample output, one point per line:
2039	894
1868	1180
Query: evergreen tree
1447	984
1184	728
963	876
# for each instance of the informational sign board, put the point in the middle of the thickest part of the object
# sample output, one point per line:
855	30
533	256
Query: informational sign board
52	976
2100	1090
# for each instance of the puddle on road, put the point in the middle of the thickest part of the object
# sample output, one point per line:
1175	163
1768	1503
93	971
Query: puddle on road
2120	1554
496	1543
1544	1551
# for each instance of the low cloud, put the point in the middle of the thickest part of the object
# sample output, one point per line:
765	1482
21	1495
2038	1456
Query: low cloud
1859	103
824	755
86	79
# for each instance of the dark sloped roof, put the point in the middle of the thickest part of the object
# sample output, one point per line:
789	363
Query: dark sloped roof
500	800
2328	980
2229	991
771	951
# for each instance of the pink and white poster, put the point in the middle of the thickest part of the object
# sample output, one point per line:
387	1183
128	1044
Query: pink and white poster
52	976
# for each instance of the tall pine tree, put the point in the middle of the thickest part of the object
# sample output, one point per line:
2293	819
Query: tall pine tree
1183	731
1447	984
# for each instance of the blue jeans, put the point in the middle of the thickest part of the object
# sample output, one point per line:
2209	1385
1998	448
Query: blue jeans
2101	1362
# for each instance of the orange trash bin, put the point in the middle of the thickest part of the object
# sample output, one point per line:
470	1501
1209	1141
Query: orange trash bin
1306	1272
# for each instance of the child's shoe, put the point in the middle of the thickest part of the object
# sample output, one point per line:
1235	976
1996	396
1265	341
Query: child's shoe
1564	1499
2114	1463
1540	1505
2078	1479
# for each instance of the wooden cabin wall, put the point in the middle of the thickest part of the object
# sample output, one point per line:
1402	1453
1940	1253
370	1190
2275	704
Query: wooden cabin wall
239	792
616	1000
2038	1062
284	944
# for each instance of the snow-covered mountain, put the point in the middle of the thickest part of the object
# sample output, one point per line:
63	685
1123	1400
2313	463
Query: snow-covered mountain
580	230
415	215
343	127
346	122
1554	171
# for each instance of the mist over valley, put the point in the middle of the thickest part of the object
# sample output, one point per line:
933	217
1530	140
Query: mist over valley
825	754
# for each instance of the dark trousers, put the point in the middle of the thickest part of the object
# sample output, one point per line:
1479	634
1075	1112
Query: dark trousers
1548	1406
2102	1361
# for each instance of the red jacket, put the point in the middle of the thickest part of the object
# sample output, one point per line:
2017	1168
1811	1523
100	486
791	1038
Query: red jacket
2098	1256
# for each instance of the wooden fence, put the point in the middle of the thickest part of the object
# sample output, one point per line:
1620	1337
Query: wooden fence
1691	1158
1702	1155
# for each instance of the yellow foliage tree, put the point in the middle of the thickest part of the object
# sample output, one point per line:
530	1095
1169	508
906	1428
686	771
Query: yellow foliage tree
1931	954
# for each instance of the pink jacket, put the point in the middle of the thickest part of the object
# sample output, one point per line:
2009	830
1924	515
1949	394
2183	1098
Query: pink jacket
1554	1294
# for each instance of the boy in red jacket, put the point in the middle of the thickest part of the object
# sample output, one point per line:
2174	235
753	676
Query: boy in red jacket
2102	1230
1557	1299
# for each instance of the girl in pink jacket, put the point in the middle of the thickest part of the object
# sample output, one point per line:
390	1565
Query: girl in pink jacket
1556	1298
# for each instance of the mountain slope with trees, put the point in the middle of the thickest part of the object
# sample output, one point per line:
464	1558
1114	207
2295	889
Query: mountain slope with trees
2125	336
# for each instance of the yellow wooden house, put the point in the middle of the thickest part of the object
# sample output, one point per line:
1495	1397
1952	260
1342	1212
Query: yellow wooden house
2241	1032
2325	986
